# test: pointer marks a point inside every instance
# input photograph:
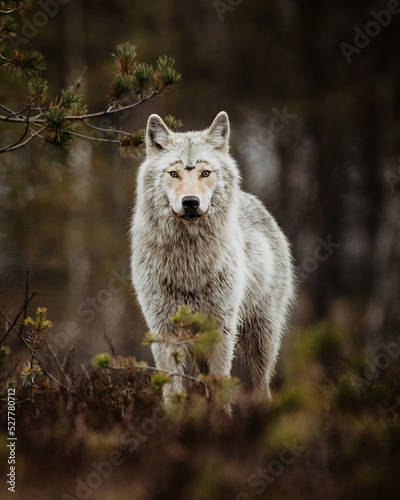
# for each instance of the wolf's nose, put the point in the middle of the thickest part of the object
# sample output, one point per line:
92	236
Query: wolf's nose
190	203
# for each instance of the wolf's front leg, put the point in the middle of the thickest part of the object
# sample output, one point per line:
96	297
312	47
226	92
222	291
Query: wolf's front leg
221	356
165	360
220	360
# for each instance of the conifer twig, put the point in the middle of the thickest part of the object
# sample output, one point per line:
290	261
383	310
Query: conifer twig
47	373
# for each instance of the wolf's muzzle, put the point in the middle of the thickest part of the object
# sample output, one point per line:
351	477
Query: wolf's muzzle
190	205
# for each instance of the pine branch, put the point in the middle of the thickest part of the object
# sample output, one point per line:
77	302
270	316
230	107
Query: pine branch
16	6
23	63
111	110
56	123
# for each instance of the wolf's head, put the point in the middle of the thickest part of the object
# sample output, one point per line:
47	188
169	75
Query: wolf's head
188	169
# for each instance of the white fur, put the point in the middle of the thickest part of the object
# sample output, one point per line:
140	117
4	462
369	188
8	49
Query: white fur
232	262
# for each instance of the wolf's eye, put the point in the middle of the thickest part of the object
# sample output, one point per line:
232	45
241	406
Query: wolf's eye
173	173
205	173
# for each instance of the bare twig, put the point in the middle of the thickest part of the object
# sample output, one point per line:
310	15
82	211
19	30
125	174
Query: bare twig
107	339
18	141
90	138
8	330
105	130
7	109
90	380
160	370
108	111
111	110
19	113
79	81
6	377
34	134
14	118
27	287
111	347
58	363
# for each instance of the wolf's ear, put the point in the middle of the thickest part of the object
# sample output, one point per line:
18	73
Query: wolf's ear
218	133
158	135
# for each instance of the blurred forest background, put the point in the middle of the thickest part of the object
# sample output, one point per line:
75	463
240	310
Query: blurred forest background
313	94
315	132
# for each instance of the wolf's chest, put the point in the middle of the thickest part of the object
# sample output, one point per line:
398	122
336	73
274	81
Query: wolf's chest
208	294
201	273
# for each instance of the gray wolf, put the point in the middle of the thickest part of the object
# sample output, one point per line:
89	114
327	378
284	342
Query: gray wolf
198	239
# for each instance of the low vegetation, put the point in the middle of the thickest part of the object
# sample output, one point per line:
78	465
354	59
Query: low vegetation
332	429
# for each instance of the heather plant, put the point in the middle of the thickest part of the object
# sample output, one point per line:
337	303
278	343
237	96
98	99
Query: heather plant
319	430
194	336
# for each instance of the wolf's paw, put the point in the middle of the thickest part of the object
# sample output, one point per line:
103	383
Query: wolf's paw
174	404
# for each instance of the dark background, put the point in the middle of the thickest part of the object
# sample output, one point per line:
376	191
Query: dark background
329	172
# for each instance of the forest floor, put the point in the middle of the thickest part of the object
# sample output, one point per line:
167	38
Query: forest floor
332	431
